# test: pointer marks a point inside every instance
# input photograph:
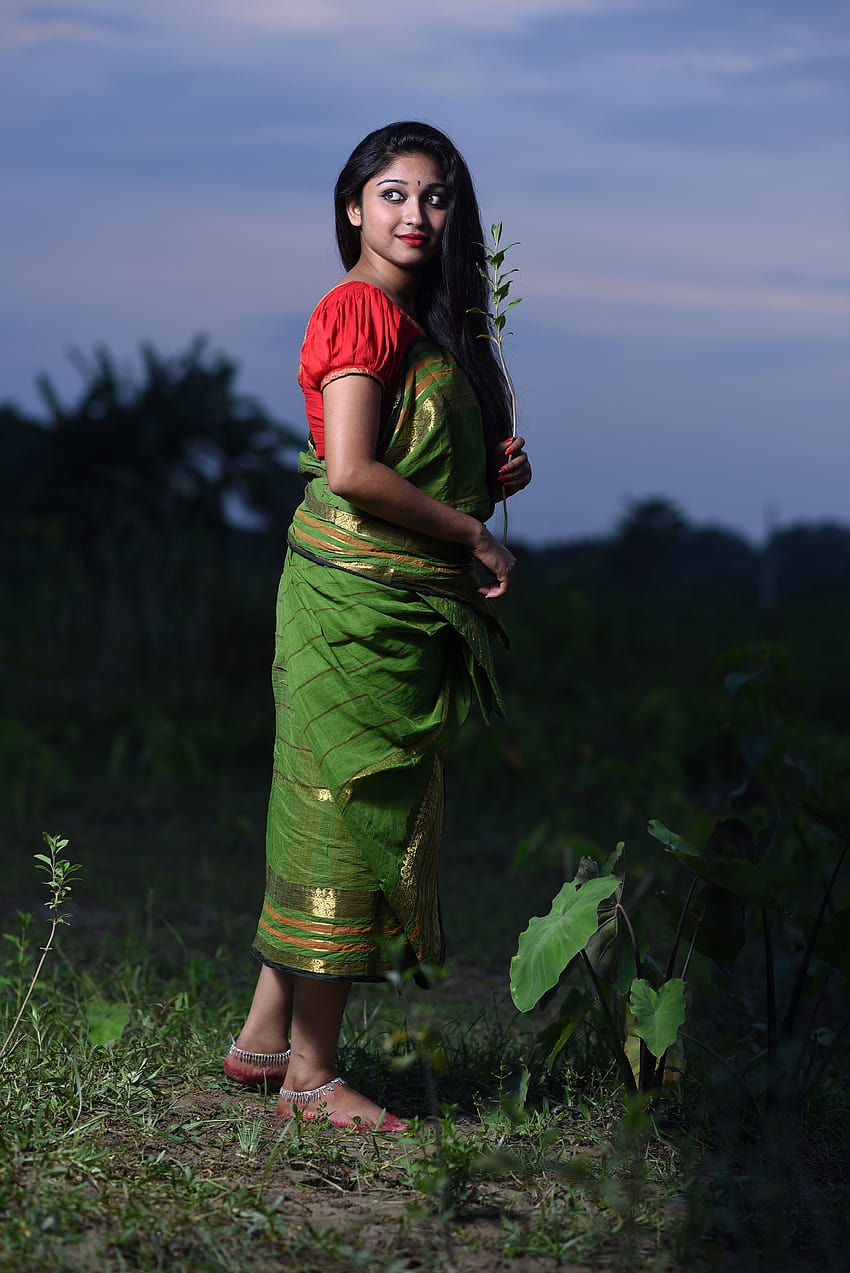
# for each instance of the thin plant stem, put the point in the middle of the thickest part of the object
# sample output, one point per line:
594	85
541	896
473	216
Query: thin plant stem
677	937
617	1049
45	950
810	1028
633	939
691	950
730	1069
790	1018
60	872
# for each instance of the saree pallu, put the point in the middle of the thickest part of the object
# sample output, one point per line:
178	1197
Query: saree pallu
381	642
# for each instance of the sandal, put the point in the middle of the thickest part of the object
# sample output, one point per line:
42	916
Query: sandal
386	1122
255	1069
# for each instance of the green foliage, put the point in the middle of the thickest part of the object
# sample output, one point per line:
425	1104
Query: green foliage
160	505
584	927
60	873
106	1021
657	1015
549	944
499	283
780	890
178	445
137	1154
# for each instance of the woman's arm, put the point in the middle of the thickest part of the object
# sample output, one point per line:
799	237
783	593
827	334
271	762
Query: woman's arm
352	408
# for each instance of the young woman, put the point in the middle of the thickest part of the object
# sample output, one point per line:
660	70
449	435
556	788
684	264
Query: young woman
383	629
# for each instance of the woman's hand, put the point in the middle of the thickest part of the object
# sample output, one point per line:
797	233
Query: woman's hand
496	558
515	471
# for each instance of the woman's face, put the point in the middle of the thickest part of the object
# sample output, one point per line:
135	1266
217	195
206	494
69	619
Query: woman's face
402	213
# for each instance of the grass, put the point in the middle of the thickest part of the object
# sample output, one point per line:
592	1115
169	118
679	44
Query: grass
125	1148
136	1155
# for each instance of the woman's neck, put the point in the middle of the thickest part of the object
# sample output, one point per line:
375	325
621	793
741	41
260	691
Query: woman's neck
400	285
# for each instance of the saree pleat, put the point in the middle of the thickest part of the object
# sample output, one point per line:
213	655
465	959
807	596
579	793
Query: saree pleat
381	642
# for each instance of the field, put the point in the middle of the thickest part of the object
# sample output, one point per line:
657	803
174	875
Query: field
670	675
135	1153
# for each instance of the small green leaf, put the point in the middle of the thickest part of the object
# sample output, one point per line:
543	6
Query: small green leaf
658	1014
567	1033
107	1021
670	840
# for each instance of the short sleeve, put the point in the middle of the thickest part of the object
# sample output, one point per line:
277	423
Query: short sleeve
354	330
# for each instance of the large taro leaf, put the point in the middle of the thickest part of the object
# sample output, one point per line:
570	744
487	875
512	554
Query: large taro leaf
601	947
746	880
552	941
658	1015
715	922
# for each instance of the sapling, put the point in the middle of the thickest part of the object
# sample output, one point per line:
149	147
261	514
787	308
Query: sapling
499	283
60	872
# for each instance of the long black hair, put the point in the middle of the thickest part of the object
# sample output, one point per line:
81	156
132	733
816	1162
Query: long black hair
450	284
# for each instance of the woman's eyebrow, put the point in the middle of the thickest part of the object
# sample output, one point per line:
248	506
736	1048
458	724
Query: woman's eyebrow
399	181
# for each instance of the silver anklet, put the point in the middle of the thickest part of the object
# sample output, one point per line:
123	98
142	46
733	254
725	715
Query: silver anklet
313	1093
260	1058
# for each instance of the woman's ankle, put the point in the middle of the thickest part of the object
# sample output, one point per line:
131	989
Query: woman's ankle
261	1043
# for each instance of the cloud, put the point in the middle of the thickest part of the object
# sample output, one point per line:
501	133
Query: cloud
384	15
801	302
206	20
93	23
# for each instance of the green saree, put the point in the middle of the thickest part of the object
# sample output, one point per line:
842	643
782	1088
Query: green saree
381	641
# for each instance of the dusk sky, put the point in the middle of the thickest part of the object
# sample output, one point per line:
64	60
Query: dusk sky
677	173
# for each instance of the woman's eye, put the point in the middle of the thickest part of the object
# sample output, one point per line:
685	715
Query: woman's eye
437	200
393	196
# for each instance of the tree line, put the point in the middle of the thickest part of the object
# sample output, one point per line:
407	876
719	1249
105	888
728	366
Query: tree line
174	448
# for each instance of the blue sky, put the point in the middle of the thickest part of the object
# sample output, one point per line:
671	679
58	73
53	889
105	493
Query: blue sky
677	173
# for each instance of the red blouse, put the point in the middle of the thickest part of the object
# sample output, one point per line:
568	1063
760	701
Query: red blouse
355	330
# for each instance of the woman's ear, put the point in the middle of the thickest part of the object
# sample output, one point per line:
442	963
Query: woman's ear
353	210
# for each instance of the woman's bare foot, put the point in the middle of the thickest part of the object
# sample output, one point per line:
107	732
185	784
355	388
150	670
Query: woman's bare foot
260	1054
342	1106
256	1067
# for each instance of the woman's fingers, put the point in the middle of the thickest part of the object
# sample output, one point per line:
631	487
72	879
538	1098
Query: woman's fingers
515	472
500	561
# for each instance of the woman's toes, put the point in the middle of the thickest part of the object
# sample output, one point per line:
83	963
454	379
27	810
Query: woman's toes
343	1107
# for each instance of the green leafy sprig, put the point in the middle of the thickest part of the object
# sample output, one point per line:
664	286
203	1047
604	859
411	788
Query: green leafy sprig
60	874
499	282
